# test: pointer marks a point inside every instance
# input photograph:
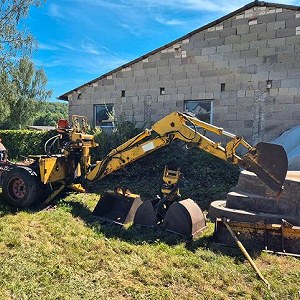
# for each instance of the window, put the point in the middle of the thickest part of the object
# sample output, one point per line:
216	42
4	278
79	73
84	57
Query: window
104	115
222	87
201	109
123	93
162	91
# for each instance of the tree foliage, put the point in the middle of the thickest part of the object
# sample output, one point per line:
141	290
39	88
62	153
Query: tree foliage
14	36
25	90
49	112
22	86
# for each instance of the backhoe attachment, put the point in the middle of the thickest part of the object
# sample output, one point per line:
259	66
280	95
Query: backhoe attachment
118	207
183	217
269	162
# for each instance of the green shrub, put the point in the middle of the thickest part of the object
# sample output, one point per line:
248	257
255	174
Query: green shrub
20	143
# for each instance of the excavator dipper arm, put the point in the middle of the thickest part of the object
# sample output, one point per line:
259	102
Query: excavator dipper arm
268	161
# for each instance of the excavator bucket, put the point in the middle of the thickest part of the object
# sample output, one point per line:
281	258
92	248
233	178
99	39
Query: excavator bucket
117	207
145	215
185	218
269	162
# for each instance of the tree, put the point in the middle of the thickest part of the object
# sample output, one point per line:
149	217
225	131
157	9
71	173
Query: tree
50	112
27	91
14	37
22	87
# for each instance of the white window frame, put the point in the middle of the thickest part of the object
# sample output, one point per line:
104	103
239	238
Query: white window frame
104	105
201	100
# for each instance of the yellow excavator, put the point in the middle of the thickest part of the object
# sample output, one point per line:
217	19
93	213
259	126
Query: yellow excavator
47	175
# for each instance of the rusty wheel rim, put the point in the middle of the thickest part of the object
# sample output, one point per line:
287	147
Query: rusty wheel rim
18	188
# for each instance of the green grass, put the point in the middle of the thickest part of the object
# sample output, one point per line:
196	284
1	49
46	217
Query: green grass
61	253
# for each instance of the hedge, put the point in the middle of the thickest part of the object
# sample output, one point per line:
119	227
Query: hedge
20	143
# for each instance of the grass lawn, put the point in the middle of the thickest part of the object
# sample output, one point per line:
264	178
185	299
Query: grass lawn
61	253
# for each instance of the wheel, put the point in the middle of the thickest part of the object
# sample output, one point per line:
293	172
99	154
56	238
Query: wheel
20	187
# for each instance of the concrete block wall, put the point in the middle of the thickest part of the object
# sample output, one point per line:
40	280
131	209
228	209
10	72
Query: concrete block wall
254	53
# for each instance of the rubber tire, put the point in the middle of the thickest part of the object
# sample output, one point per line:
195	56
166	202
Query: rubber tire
32	188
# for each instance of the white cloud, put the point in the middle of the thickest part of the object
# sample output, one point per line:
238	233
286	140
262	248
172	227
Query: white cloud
170	22
55	11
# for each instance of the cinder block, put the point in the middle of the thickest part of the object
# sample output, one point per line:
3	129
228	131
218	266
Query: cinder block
206	65
276	42
270	59
285	32
216	57
285	49
167	55
241	46
248	37
265	51
245	29
293	40
292	23
197	37
276	25
228	32
265	35
176	68
185	90
258	28
248	53
230	78
294	73
289	91
147	65
201	44
252	69
288	99
210	80
139	73
287	15
239	22
212	87
287	57
237	62
201	58
198	89
209	50
221	64
163	70
179	76
211	34
180	83
232	39
224	48
216	42
266	18
232	55
258	44
162	63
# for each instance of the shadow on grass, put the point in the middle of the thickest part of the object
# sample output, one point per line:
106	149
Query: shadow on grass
140	235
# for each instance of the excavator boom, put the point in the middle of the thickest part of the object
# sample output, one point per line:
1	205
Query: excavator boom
267	161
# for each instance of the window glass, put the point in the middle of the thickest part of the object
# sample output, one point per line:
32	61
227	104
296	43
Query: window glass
201	109
104	115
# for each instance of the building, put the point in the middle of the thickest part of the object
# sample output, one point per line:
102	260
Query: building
240	72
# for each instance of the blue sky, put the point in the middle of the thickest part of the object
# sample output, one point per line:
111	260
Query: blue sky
79	40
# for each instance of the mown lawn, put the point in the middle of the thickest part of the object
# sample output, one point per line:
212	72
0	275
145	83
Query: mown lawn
61	253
